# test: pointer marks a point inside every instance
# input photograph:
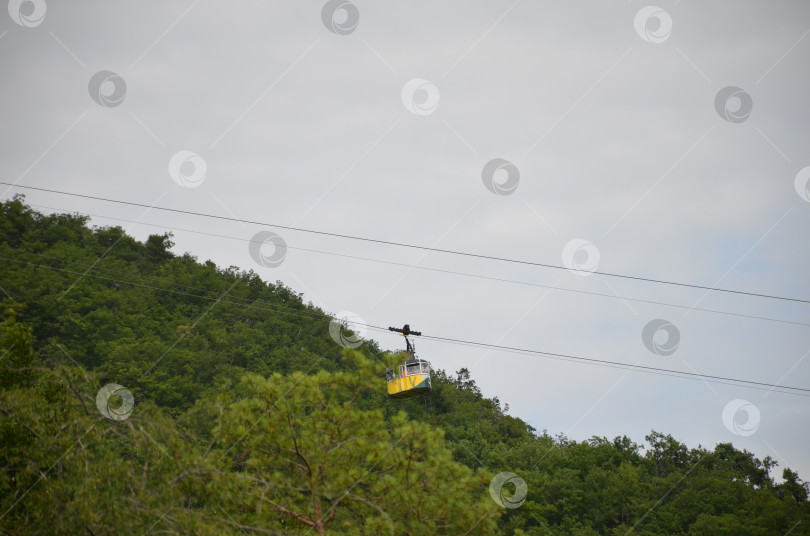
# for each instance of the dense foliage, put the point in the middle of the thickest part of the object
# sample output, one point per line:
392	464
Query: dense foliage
249	418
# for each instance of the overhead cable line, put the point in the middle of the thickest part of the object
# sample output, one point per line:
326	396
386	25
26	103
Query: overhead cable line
799	391
694	375
416	267
282	310
407	245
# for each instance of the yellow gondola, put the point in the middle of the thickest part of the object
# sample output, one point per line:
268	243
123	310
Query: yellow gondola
411	378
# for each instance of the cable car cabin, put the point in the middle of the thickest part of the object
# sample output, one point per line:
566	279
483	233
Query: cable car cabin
410	379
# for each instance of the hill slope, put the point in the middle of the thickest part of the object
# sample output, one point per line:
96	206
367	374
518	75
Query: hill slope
248	417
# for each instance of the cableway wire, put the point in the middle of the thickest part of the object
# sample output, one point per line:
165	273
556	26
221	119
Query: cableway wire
668	372
412	266
405	245
799	391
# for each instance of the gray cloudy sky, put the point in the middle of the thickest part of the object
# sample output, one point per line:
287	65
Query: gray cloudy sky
607	111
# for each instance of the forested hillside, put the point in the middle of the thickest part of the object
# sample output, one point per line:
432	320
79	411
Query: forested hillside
245	417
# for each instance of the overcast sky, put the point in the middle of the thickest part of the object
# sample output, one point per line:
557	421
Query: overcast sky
618	144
